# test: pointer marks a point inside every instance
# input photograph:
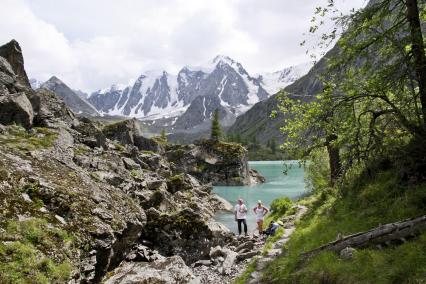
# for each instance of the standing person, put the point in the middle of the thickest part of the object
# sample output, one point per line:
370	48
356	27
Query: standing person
260	212
241	215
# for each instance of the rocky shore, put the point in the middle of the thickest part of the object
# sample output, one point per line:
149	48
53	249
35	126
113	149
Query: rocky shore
85	202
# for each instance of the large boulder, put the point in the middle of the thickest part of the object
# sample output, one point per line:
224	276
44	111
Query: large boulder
49	109
168	270
13	54
128	133
216	162
16	109
185	233
90	133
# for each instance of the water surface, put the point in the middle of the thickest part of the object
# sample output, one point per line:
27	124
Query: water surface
277	185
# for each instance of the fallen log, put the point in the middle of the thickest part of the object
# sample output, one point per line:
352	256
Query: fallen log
384	234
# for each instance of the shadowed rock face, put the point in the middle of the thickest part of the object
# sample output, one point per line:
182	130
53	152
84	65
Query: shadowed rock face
13	54
16	108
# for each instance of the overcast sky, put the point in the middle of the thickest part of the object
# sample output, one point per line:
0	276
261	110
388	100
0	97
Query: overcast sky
91	44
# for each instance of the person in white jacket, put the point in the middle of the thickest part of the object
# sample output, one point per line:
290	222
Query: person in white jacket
241	215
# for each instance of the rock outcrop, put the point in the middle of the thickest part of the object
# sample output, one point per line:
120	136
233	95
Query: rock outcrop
128	132
13	54
216	162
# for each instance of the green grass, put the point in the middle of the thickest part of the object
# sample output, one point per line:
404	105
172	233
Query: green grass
246	275
360	208
21	139
271	240
25	249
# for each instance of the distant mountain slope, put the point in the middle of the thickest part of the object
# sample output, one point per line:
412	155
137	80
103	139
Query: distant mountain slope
257	120
70	97
276	81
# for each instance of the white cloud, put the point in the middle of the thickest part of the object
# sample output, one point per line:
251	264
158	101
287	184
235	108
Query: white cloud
92	44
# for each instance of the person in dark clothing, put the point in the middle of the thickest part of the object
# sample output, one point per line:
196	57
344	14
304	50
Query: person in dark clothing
272	228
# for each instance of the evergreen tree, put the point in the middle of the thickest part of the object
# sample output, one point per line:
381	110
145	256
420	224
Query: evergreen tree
273	145
216	132
238	138
163	134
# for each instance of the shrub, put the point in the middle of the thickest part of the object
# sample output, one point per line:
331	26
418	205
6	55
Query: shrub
280	205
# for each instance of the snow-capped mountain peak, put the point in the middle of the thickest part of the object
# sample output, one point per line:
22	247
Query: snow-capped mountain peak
192	95
275	81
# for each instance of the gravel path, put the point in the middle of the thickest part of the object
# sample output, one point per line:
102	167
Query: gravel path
212	271
277	247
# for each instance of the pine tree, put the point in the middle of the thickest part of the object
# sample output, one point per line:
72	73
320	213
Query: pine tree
163	135
216	130
273	145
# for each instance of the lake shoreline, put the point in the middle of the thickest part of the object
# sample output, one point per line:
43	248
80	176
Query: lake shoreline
277	185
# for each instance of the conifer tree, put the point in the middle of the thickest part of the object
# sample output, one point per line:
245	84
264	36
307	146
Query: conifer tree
216	131
163	134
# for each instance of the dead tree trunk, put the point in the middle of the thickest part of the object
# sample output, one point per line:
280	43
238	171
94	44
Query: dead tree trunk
384	234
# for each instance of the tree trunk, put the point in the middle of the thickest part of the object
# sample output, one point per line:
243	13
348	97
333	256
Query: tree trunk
418	51
385	234
334	159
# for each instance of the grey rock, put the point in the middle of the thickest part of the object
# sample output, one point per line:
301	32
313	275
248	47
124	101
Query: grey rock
128	133
246	245
13	54
246	255
216	252
212	162
229	261
3	129
347	253
170	270
6	68
16	108
49	109
130	164
204	262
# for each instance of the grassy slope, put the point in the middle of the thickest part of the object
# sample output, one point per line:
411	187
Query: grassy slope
367	204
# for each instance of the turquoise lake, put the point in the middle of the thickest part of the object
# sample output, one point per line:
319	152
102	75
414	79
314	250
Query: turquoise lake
277	185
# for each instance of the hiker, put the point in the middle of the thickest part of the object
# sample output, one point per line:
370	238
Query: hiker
241	215
260	212
270	231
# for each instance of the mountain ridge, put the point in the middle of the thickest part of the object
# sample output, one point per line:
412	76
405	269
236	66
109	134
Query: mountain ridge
190	97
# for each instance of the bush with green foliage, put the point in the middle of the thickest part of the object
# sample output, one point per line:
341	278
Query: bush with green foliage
280	206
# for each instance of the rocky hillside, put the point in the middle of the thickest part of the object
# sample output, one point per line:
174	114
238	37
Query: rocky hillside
83	202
